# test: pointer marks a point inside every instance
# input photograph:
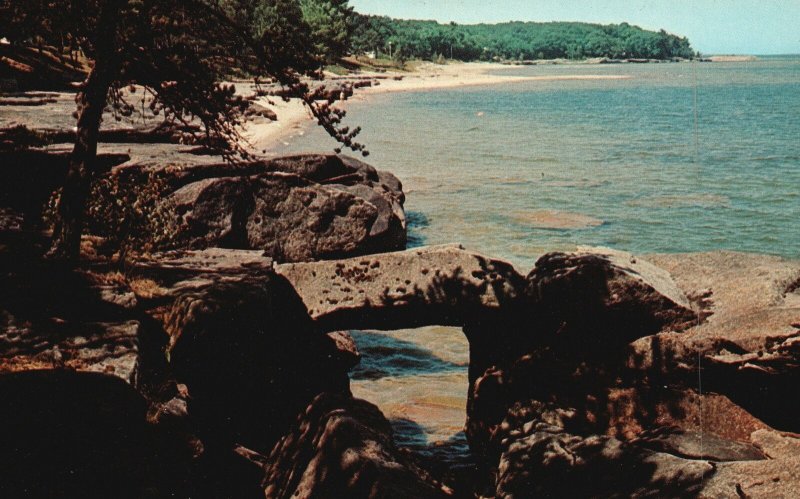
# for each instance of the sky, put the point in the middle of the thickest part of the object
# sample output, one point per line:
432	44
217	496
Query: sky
713	26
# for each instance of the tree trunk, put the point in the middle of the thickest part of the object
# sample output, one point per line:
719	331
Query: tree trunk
91	102
72	203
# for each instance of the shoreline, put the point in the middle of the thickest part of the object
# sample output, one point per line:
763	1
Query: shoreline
293	116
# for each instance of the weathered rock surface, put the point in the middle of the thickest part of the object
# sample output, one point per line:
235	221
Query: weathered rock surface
540	456
71	355
93	347
581	310
611	406
42	329
581	296
227	309
342	447
779	476
443	285
296	208
749	346
284	215
551	449
560	336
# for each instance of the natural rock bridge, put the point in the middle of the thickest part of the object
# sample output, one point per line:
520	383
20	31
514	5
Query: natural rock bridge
585	367
569	355
446	285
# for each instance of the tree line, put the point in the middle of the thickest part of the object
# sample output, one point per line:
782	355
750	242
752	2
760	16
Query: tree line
406	39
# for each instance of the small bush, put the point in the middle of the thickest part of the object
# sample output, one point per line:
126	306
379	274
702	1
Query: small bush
127	210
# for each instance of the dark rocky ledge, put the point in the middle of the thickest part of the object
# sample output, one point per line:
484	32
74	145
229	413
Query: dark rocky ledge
216	364
299	208
219	373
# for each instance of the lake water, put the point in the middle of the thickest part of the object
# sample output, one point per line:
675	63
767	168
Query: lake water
679	157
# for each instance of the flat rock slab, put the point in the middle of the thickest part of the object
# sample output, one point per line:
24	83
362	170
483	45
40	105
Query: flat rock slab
208	260
631	412
108	348
55	317
748	348
735	283
443	285
160	278
702	445
778	476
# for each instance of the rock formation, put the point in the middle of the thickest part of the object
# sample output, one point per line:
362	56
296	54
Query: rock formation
186	401
443	285
157	196
217	372
584	376
297	208
666	413
342	447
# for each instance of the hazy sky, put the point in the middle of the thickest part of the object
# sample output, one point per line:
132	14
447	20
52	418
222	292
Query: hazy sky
712	26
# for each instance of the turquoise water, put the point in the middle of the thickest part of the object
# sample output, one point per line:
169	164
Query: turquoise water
480	164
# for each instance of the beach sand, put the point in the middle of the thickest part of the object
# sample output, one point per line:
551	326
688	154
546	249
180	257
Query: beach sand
293	116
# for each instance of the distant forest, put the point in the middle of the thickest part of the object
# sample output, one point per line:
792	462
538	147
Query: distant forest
405	39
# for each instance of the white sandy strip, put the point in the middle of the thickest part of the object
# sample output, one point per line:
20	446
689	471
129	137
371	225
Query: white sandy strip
292	115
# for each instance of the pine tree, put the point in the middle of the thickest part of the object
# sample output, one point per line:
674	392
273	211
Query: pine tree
330	26
180	52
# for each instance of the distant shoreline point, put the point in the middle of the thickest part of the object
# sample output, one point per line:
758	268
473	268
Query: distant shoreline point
732	58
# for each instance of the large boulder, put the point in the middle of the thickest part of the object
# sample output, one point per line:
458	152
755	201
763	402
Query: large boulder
240	339
288	217
569	342
298	208
343	447
604	297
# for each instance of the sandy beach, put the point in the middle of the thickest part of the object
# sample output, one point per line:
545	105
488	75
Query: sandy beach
293	116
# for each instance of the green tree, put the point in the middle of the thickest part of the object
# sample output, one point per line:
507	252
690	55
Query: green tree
180	52
279	27
330	26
